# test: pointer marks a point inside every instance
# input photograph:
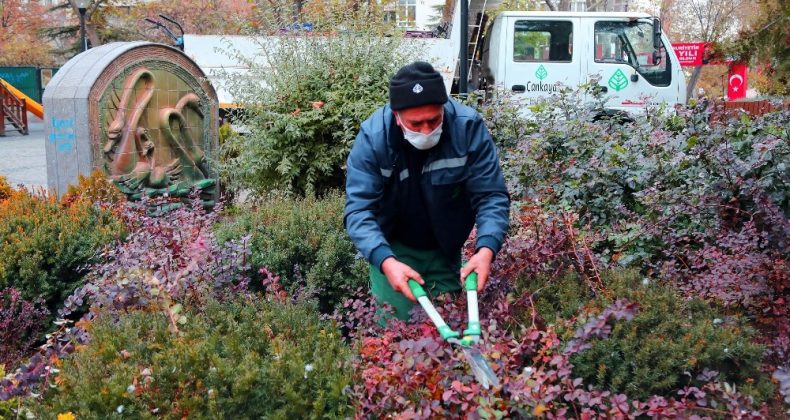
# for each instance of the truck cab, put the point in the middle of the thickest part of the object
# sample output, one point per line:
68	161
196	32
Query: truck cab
534	54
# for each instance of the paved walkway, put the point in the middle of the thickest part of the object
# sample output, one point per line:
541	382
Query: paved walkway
23	159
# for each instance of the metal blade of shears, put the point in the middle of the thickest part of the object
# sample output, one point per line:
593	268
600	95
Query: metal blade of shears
483	373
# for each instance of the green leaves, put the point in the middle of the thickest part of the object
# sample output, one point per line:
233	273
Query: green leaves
307	113
663	348
304	242
45	244
246	358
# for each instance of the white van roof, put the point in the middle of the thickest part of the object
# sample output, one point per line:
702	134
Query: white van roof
575	14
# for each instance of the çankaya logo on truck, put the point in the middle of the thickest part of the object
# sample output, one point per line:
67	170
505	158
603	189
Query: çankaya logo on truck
618	81
543	87
541	74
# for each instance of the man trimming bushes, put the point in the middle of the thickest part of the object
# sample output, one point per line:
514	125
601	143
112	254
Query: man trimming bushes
423	170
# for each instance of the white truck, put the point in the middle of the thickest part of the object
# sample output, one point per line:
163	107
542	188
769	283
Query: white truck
534	54
530	53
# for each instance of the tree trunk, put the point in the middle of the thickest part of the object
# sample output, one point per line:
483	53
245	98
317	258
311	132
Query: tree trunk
551	5
297	7
92	35
693	81
666	15
90	32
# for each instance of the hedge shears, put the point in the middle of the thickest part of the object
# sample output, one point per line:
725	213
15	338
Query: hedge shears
480	368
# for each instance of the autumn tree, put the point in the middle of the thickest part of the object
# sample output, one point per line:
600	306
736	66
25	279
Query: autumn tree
221	17
100	27
20	43
765	42
710	21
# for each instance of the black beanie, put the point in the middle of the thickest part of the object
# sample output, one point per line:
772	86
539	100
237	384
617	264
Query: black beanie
416	84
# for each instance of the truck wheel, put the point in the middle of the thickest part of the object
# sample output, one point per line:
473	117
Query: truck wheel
612	115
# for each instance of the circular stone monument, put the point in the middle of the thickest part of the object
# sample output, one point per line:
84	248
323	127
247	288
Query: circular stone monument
143	113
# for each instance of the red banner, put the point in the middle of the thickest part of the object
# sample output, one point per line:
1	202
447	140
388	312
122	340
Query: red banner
689	53
736	82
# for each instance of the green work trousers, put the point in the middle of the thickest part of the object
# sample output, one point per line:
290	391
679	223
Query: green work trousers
439	275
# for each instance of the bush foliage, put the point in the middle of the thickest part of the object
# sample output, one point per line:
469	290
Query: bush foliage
695	211
96	188
666	346
45	244
247	358
698	200
304	242
409	371
304	116
21	322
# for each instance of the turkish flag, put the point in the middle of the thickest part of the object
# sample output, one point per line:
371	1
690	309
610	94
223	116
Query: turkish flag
736	82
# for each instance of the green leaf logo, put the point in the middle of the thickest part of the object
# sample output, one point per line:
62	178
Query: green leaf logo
541	72
618	81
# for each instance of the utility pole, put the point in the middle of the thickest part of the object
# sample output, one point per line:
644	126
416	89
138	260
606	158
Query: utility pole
82	7
463	55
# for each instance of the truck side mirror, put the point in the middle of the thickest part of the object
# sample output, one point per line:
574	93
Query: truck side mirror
656	41
656	34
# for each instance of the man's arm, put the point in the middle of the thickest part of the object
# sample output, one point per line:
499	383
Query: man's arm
364	190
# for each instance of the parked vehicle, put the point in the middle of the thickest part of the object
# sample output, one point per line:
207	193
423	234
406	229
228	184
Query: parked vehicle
534	54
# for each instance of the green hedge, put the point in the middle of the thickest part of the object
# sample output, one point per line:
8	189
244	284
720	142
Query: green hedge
249	358
45	243
668	343
303	241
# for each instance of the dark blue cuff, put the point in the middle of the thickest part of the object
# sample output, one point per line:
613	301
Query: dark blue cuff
489	242
381	253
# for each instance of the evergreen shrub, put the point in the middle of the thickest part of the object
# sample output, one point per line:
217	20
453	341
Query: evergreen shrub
304	242
666	346
245	358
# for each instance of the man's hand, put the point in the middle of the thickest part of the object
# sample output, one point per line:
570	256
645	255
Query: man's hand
398	274
481	264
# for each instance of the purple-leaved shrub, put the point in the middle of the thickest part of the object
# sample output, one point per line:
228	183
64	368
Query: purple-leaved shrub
21	322
165	263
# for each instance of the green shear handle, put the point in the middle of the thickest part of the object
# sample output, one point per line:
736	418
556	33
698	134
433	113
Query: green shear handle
480	368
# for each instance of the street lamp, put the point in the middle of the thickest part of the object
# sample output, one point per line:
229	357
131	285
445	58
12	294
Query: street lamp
82	6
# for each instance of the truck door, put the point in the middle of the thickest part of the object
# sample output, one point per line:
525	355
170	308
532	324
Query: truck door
540	56
630	74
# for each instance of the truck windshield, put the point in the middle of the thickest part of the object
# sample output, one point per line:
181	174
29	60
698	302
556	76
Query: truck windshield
631	42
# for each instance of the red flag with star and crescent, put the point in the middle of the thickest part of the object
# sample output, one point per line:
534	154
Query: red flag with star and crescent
736	81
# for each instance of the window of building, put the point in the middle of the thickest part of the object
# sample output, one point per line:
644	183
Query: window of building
543	40
407	13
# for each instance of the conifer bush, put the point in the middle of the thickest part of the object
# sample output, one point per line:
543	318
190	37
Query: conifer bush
304	242
303	117
46	244
665	347
245	358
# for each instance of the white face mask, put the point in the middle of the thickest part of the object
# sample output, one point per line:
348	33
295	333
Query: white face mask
419	140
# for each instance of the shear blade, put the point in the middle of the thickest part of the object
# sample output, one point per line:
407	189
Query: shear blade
483	373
